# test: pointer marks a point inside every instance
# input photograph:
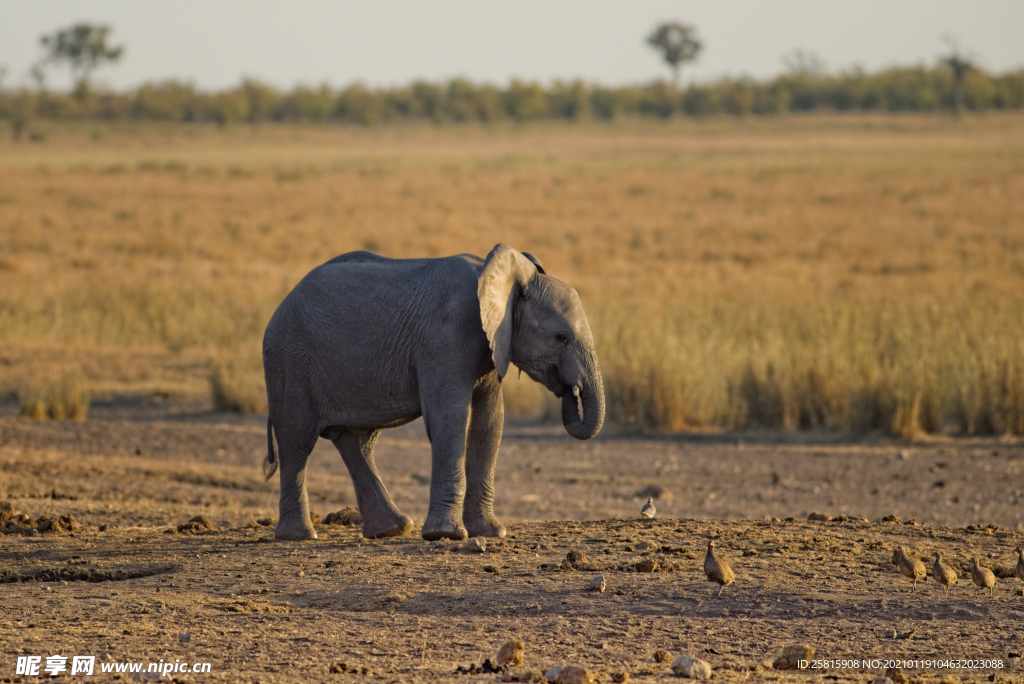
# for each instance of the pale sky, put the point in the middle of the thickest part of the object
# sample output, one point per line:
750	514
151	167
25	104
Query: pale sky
214	43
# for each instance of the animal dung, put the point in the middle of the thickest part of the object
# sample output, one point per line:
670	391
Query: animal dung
347	516
790	656
647	565
693	668
195	525
511	652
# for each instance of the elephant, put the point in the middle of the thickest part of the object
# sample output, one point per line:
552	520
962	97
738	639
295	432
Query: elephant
366	342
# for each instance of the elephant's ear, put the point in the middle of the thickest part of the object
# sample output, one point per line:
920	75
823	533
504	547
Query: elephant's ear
505	273
535	261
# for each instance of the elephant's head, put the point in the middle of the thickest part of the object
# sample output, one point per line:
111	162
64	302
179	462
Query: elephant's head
538	323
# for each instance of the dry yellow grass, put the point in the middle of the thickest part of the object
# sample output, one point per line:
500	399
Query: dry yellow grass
837	272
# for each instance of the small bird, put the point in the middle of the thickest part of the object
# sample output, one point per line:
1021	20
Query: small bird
909	567
1019	570
942	573
716	569
983	577
648	510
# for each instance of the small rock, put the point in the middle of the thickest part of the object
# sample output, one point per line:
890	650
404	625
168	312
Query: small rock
597	584
694	668
552	674
892	519
620	677
570	675
790	657
522	674
896	675
474	545
662	656
511	652
1019	592
184	637
903	455
819	517
338	668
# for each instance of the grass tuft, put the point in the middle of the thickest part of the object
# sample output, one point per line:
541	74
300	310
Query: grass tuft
64	398
237	388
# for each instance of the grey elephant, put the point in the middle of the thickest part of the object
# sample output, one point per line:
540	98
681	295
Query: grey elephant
364	342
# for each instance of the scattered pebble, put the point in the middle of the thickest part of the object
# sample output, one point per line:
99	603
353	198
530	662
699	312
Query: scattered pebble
694	668
569	675
620	677
819	517
185	637
474	545
522	674
662	656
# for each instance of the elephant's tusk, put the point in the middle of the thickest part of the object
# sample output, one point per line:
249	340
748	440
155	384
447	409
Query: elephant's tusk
575	390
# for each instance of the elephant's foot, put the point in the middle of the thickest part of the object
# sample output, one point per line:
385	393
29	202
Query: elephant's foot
443	526
294	528
390	525
484	526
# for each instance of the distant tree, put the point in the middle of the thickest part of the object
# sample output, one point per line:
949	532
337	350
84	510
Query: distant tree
83	47
959	64
801	63
677	43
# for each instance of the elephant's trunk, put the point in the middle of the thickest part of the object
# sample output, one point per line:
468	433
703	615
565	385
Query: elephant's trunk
591	398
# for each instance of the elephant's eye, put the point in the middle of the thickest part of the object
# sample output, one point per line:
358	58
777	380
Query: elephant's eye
562	338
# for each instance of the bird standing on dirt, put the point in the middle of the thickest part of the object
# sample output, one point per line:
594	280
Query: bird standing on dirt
648	510
983	577
942	573
716	569
1019	570
909	567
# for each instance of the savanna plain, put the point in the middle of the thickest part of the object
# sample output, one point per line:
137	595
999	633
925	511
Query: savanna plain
799	315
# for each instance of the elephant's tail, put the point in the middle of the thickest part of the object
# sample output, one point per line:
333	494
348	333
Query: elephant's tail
270	462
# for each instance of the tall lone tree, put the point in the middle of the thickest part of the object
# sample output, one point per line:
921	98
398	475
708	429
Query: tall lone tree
677	43
83	47
959	64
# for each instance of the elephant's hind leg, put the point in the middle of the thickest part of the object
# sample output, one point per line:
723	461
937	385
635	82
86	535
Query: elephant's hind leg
381	518
293	522
486	419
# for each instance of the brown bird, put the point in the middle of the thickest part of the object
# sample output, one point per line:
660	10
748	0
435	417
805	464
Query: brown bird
716	569
1019	570
983	577
942	573
909	567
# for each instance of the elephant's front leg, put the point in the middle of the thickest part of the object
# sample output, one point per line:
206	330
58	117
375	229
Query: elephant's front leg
485	423
446	428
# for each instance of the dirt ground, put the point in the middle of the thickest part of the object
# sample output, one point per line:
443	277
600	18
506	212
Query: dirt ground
126	584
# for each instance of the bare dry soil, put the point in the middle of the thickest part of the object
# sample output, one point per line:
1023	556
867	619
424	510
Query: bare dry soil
127	583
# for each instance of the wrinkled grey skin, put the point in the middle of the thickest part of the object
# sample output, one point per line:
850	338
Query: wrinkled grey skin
365	343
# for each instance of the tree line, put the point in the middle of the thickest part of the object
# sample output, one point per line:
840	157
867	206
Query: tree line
899	89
